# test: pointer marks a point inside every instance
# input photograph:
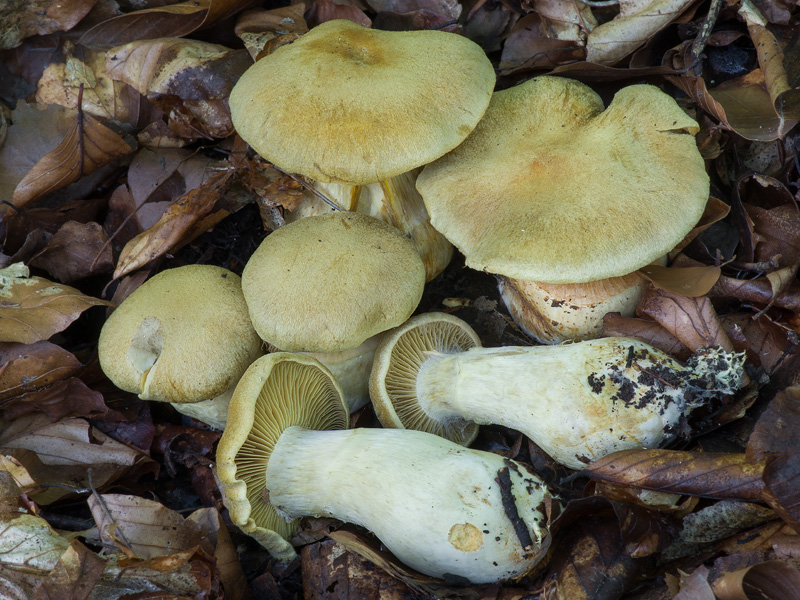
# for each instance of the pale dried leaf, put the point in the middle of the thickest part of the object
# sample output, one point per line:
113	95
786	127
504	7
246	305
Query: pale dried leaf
233	578
636	23
695	586
86	147
29	543
74	576
144	526
33	309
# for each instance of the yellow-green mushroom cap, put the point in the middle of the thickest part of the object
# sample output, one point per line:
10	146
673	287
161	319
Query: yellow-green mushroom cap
329	282
398	359
355	105
277	391
183	336
551	187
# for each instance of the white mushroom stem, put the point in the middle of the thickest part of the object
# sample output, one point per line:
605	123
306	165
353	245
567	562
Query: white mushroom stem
580	401
442	509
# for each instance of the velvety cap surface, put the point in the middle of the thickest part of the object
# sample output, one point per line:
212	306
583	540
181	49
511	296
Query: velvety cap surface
182	336
550	187
327	283
350	104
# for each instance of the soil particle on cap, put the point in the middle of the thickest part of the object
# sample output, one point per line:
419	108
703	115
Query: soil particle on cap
596	382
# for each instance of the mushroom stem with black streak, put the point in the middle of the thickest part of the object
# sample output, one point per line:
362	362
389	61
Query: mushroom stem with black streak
578	402
442	509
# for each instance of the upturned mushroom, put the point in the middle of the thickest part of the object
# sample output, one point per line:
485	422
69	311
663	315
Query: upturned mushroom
578	402
564	200
442	509
328	285
349	105
184	337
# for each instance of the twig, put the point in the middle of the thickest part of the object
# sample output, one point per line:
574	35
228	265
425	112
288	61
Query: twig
310	188
700	41
107	514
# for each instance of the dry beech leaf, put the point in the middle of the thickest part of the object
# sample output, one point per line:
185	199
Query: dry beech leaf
688	281
692	473
146	527
87	146
27	367
26	18
74	576
328	10
715	210
778	427
758	291
528	46
778	233
771	580
175	20
636	23
181	222
257	27
32	309
75	252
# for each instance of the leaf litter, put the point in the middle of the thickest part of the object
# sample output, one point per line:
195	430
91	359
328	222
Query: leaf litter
138	95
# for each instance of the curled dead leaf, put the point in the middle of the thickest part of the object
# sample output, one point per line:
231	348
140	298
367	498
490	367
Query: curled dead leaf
770	580
27	367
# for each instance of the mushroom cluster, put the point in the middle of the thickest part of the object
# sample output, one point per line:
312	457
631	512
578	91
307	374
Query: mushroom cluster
538	184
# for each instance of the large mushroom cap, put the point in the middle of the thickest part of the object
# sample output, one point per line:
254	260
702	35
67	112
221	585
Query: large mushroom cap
183	336
277	391
400	355
550	187
327	283
355	105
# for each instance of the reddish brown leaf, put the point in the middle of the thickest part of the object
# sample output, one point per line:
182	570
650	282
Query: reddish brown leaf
75	575
179	224
258	27
778	428
782	479
174	20
758	291
66	398
695	474
646	330
529	46
696	586
76	251
87	146
320	11
26	367
778	232
693	321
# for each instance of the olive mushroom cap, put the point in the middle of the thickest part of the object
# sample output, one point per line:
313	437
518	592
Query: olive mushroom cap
575	193
184	336
398	359
277	391
350	104
327	283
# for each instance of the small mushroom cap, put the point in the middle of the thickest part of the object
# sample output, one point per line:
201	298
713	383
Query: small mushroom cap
327	283
182	336
355	105
277	391
550	187
400	355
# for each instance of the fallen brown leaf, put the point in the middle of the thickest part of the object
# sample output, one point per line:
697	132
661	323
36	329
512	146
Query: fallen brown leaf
687	281
771	580
65	398
258	27
87	146
646	330
74	576
32	309
27	367
693	473
76	251
25	18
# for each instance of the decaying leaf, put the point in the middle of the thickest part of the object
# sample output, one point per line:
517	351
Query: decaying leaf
771	580
75	252
687	281
65	398
32	309
74	576
258	27
87	146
